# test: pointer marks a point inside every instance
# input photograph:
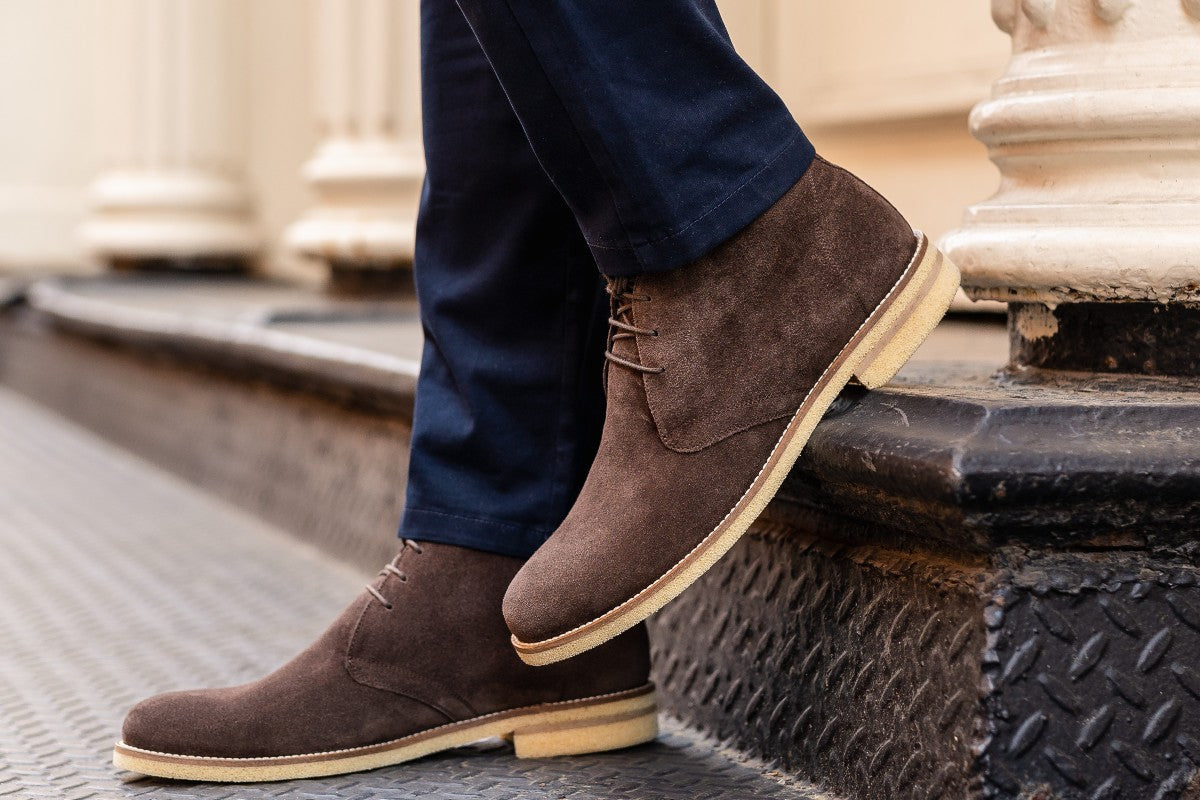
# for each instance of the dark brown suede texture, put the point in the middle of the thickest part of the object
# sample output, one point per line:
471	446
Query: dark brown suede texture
440	654
641	509
747	330
741	337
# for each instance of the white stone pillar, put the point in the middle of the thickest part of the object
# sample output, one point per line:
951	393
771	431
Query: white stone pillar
171	92
1095	127
368	169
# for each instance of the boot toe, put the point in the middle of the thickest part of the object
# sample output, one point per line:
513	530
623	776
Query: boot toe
180	723
547	598
530	616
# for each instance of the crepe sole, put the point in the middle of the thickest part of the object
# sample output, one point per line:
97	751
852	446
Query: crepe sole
590	725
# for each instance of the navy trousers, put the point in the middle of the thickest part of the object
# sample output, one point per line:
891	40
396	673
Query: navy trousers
564	140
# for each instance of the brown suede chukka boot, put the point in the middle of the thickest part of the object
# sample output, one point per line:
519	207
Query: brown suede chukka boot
421	662
717	375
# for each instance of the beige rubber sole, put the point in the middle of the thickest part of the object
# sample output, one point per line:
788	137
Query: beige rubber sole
888	339
590	725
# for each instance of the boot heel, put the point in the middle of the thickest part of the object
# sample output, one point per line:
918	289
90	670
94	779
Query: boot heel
589	729
910	320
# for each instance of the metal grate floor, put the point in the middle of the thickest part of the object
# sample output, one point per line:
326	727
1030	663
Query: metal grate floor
118	581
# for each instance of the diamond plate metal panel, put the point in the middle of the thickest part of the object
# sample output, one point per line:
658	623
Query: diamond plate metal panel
853	667
118	581
1094	671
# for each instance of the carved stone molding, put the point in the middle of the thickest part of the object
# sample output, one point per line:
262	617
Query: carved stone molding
1093	129
1039	12
171	121
1004	14
1112	11
367	170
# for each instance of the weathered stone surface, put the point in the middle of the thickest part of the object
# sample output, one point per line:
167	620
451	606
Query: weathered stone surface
1135	338
978	461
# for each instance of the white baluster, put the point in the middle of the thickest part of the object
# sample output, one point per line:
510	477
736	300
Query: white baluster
368	169
171	86
1095	127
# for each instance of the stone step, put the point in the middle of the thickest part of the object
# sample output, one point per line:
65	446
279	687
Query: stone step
971	585
120	581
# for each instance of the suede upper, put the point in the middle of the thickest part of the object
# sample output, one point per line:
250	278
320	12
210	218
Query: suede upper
747	330
731	346
441	654
641	510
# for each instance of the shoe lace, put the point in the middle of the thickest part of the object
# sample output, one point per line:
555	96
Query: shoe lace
620	324
391	569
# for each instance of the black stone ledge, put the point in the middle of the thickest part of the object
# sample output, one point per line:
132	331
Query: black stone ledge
245	345
1025	457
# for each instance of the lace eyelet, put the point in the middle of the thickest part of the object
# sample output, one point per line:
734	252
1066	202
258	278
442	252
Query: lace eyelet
390	606
654	333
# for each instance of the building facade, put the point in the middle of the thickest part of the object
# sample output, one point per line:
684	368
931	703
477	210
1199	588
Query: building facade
289	133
